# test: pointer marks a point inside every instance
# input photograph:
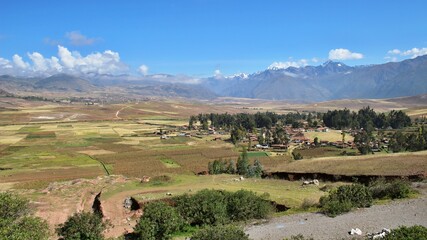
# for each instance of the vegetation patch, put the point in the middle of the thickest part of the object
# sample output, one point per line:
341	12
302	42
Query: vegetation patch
169	163
36	135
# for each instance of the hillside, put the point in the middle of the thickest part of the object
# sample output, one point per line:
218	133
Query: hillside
64	82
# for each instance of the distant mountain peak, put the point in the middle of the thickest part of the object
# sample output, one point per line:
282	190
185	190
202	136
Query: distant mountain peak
332	63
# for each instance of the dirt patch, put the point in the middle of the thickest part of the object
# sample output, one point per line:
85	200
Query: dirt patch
94	152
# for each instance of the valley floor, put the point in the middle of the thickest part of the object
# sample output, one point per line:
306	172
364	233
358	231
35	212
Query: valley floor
407	212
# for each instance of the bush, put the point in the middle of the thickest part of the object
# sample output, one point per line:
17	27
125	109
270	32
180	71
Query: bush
206	207
381	189
344	198
297	156
16	221
298	237
83	225
243	205
221	232
213	207
408	233
158	222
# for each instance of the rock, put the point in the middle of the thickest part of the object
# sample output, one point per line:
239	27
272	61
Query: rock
127	203
355	231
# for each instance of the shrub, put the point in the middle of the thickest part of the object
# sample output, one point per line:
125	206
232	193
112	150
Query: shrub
297	156
228	232
205	207
243	205
16	221
213	207
83	225
158	222
344	198
408	233
381	189
298	237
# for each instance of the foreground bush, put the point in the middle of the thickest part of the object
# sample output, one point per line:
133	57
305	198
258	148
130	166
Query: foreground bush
228	232
381	189
298	237
345	198
206	207
83	225
408	233
16	221
158	222
244	205
213	207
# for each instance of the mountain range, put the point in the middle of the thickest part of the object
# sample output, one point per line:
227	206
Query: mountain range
328	81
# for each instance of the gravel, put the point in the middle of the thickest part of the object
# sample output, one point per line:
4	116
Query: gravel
406	212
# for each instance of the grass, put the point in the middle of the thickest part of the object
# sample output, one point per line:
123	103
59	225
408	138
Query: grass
292	194
324	152
400	164
331	136
257	154
169	163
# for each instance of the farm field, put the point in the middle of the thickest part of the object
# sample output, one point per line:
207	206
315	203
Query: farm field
61	156
324	152
331	136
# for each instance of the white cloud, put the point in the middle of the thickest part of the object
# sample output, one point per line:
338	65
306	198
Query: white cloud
107	62
217	72
78	39
17	60
284	65
5	64
393	55
415	52
394	52
344	54
143	69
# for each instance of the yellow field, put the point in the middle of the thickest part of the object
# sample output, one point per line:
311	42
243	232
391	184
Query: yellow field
331	136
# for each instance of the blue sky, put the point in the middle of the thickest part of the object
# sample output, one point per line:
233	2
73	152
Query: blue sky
199	37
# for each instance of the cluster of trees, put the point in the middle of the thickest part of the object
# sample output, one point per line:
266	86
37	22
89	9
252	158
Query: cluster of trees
365	118
409	142
249	122
242	167
206	208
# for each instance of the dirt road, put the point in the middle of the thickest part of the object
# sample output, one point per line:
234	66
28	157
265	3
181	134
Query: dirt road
403	212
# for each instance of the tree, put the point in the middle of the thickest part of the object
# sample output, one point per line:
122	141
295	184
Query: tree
243	163
158	222
257	169
227	232
316	141
83	225
398	142
231	169
343	138
16	222
191	122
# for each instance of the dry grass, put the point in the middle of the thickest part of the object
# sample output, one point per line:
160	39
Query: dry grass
331	136
391	164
